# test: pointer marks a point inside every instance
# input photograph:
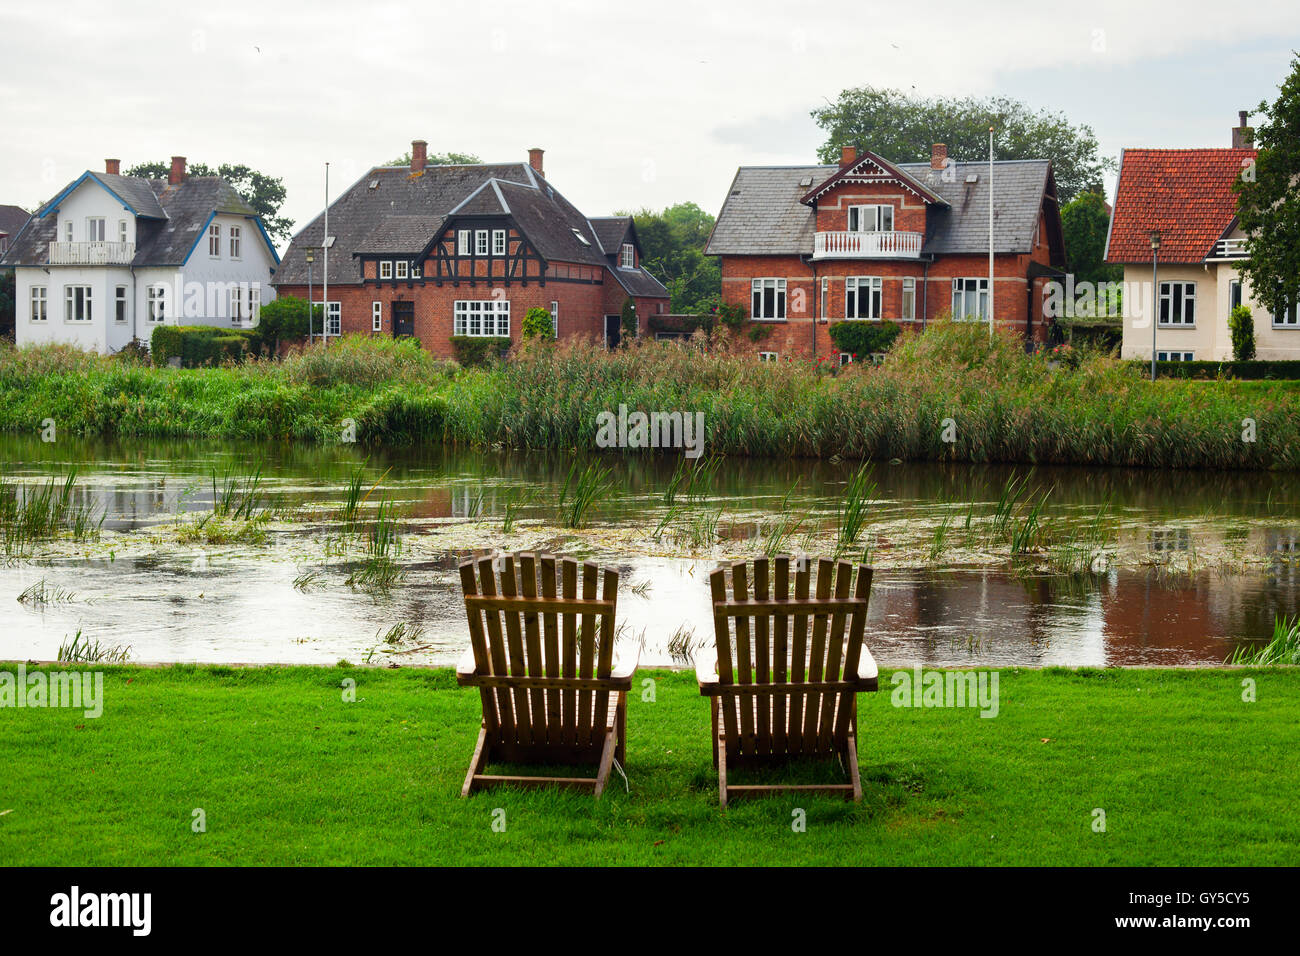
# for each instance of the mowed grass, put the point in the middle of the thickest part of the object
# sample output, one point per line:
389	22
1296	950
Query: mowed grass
289	773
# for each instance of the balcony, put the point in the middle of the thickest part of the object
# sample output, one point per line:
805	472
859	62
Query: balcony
91	253
1229	249
867	245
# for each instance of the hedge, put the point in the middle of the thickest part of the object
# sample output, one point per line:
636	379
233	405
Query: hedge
198	345
864	338
471	350
1257	369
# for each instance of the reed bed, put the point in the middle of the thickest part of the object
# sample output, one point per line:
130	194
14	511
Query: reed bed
1008	406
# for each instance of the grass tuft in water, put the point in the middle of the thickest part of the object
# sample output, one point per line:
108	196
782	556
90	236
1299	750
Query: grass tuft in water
1282	650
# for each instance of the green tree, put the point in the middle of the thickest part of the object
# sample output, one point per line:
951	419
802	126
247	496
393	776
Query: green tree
8	309
628	321
1085	222
902	128
284	319
439	159
538	324
672	250
1241	325
264	193
1268	203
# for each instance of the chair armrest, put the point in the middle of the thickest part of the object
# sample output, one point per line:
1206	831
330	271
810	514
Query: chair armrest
465	666
706	667
625	667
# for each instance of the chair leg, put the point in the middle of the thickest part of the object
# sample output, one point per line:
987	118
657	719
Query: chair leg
477	763
713	711
620	754
606	760
852	754
720	751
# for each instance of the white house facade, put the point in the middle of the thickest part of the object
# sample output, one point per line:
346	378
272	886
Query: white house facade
112	257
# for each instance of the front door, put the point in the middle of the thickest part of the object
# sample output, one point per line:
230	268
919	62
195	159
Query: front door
403	319
613	330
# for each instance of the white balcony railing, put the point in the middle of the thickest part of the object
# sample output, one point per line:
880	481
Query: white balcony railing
91	253
1229	249
867	245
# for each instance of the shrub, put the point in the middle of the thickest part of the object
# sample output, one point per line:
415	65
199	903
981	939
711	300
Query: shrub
1242	327
627	319
476	350
362	360
284	319
199	345
538	325
864	338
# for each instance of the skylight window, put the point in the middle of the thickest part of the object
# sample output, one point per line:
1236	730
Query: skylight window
580	237
806	181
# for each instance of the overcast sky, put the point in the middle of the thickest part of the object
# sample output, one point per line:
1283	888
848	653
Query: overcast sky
636	104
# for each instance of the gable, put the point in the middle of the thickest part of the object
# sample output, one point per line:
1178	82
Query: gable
872	170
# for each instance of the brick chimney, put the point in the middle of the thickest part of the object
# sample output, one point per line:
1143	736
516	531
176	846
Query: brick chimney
848	156
419	155
1243	136
177	175
535	160
938	156
113	167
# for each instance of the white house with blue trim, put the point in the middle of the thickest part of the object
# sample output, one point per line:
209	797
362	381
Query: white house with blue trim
112	257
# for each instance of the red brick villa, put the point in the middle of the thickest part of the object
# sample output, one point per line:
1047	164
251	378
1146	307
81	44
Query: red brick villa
467	250
804	247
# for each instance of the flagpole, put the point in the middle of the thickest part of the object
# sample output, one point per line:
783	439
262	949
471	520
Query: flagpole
325	244
990	233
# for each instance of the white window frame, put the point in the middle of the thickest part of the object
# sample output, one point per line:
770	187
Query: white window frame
121	230
846	358
1186	301
78	303
157	304
401	269
376	316
386	269
416	271
874	214
95	229
555	319
234	242
214	241
757	299
628	256
67	231
498	242
480	242
119	304
39	310
1288	318
769	356
254	303
333	318
960	289
907	304
875	292
463	241
1175	355
472	318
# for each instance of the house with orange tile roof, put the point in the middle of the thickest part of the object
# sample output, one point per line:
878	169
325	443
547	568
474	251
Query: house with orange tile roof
1187	196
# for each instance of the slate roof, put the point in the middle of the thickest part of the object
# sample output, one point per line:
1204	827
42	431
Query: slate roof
164	237
1185	193
12	219
389	210
611	230
763	213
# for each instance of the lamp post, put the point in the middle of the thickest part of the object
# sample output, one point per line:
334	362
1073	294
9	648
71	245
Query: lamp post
1155	296
311	257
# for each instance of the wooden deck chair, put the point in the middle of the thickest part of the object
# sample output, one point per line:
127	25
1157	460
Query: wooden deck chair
778	693
542	656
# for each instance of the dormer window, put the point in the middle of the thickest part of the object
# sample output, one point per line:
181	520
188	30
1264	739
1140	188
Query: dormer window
481	242
214	241
462	242
871	219
629	256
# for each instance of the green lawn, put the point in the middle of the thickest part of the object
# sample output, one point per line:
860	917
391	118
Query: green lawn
288	773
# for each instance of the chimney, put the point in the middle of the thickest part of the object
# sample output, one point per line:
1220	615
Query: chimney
1243	137
113	167
535	160
419	155
177	175
848	155
938	156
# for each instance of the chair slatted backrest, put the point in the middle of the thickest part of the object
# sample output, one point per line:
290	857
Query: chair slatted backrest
788	689
541	648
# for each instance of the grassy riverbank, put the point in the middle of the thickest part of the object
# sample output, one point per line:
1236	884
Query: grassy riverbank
288	773
944	395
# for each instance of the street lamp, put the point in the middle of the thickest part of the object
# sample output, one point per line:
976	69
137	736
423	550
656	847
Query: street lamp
311	257
1155	296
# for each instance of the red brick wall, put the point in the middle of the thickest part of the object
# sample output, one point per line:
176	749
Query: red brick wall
833	208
